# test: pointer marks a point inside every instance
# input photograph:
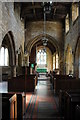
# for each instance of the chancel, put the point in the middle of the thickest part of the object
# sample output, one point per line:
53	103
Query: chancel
40	60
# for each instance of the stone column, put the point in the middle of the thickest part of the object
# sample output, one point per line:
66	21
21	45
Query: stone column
28	60
16	59
61	62
13	71
30	70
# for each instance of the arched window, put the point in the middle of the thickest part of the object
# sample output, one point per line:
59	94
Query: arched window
4	58
55	61
41	57
75	11
67	23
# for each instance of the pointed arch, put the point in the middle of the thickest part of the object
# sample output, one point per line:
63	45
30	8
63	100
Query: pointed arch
8	41
38	38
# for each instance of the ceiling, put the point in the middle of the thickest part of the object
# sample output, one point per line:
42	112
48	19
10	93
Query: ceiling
34	11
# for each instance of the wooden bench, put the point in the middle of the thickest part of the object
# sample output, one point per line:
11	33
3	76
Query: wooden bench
30	83
68	84
67	102
77	112
22	83
72	101
13	106
53	78
6	106
16	84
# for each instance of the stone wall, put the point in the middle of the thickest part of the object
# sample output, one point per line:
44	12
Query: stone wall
11	22
71	39
53	29
72	36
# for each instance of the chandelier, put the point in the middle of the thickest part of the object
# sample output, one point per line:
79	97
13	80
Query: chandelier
47	10
44	39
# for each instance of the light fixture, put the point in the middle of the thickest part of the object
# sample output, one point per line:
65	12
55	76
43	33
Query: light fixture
47	9
44	39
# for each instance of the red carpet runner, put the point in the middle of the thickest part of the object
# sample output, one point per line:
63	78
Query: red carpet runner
42	104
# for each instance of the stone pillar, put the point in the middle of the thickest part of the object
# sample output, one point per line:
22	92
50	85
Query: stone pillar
13	71
22	61
16	59
30	70
61	62
28	60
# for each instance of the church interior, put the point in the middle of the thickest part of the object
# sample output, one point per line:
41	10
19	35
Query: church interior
40	60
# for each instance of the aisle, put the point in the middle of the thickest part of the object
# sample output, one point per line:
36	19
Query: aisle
43	103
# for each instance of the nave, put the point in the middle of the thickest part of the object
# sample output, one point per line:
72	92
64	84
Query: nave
40	38
47	99
43	103
40	104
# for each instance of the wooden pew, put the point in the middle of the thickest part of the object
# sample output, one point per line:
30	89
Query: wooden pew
68	84
55	78
77	112
67	103
6	105
13	106
22	83
30	83
16	84
72	101
61	102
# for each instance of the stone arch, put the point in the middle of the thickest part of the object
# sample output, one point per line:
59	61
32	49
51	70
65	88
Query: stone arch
53	42
8	41
38	38
77	58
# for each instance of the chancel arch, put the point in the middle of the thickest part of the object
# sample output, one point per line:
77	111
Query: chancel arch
52	45
38	38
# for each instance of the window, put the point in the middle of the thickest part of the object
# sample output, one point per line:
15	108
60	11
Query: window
4	57
41	57
55	61
67	23
75	11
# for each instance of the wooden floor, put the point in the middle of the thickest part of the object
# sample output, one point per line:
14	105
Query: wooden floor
43	103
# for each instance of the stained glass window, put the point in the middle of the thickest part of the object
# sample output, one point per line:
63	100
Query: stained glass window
41	57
